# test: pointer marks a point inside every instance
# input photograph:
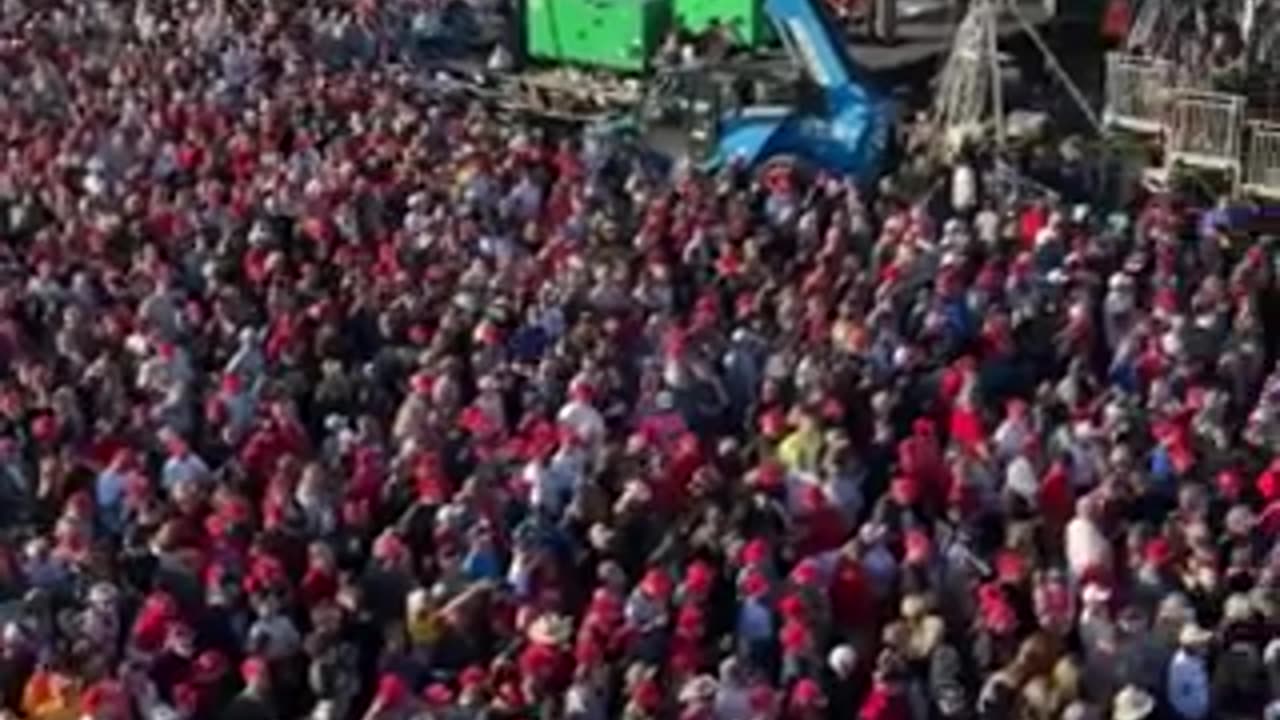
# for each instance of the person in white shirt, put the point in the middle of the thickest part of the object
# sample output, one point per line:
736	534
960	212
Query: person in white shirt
1087	548
1187	682
1013	432
1020	478
551	483
964	189
581	416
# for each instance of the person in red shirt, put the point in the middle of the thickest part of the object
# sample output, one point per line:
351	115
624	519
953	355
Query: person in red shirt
887	699
853	606
546	663
807	701
1032	220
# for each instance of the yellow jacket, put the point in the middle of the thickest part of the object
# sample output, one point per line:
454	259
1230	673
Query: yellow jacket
801	450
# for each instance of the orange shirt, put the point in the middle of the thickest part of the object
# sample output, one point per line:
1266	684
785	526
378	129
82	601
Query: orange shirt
50	697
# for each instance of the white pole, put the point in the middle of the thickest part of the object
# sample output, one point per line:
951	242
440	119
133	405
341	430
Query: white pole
991	20
1248	16
886	20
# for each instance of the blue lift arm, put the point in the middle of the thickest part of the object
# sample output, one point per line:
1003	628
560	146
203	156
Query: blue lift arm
810	38
848	134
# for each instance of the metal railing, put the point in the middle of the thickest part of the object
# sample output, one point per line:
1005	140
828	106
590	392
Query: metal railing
1204	129
1262	162
1137	92
1198	128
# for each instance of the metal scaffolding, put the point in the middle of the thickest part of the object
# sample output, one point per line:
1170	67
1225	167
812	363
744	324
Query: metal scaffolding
963	87
970	92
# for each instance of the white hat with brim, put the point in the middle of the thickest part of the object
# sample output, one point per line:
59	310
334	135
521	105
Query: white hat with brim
1194	635
914	606
1095	594
1238	608
700	688
1132	703
550	630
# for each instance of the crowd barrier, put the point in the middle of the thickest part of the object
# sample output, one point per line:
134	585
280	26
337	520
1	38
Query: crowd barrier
1137	92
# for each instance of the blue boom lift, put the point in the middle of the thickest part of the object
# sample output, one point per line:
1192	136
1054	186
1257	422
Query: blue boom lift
821	115
814	109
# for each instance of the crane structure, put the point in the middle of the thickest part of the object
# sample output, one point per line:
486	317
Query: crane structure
970	93
965	85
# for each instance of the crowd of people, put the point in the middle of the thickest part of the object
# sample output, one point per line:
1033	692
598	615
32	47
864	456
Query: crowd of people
322	398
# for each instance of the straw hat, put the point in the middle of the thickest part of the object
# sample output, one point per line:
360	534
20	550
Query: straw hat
550	630
1192	635
1132	703
700	688
1237	609
914	607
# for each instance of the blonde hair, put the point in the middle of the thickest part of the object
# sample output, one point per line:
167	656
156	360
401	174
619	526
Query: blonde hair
1066	680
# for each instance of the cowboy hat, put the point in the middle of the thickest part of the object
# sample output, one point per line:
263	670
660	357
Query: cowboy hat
1132	703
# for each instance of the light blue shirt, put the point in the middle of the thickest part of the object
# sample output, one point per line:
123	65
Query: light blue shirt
1188	686
109	488
183	468
755	621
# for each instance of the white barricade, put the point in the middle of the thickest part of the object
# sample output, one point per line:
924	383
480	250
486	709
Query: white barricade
1204	130
1138	91
1262	160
